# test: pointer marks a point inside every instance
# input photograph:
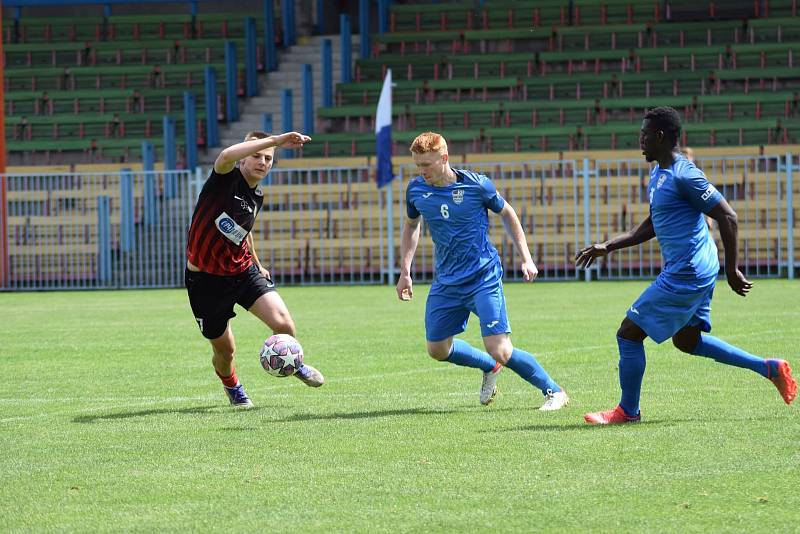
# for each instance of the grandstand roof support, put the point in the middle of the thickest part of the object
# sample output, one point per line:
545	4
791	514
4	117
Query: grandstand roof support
169	143
347	48
270	52
190	128
231	72
289	32
250	53
383	16
327	74
127	228
2	115
320	14
363	27
308	100
212	130
287	123
3	214
266	123
148	156
790	167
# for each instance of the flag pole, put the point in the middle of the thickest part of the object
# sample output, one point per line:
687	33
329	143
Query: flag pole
390	228
384	173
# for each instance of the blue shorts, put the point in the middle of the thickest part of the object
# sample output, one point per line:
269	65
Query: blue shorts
668	305
448	307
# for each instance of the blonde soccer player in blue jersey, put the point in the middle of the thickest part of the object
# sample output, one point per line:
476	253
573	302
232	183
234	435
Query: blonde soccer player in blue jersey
469	276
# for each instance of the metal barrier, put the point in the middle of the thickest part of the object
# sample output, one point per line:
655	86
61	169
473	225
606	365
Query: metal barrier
333	226
566	204
81	231
322	226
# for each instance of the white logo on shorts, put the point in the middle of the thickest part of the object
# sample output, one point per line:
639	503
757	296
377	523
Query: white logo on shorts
634	310
492	324
199	322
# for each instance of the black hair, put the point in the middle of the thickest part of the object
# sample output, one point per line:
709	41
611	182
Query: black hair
668	120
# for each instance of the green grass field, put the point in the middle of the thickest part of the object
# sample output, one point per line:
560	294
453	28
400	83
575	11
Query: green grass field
112	419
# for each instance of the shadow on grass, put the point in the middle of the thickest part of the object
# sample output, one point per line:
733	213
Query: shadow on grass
560	427
145	413
364	415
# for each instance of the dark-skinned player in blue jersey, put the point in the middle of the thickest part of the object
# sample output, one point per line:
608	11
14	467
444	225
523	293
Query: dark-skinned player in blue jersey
678	304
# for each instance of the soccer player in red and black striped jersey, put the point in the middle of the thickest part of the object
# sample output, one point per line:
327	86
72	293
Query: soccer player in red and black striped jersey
222	267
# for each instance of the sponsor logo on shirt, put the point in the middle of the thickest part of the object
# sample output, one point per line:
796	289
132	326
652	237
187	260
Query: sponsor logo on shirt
426	195
458	196
709	192
230	229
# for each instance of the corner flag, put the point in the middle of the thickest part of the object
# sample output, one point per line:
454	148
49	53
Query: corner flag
383	133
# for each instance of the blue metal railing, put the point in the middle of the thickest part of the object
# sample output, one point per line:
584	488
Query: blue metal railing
329	225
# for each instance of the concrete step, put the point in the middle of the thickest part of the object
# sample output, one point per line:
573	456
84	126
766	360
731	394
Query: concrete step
288	76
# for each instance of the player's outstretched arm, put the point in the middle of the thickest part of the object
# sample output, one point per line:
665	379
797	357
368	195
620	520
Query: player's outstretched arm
517	234
728	224
227	158
644	231
408	246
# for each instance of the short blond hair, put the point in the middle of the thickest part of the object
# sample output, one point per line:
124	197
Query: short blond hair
255	134
429	142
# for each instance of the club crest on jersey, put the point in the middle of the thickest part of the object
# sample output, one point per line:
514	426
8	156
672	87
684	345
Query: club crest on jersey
458	196
244	204
230	229
258	191
661	180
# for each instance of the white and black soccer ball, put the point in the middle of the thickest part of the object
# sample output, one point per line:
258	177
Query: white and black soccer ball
281	355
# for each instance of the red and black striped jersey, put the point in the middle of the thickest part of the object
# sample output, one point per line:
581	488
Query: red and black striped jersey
223	216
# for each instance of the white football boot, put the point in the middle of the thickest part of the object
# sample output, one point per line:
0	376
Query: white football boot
489	385
554	400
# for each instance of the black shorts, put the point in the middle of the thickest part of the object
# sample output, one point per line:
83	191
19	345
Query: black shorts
212	297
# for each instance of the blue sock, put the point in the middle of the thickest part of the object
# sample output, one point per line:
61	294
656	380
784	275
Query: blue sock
525	365
712	347
462	353
631	370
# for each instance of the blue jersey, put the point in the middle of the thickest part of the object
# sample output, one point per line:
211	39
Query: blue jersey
459	223
679	196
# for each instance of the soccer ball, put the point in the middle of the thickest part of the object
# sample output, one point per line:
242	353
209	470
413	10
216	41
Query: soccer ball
281	355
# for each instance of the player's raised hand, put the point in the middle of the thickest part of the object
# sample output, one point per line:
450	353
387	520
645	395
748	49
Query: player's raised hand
739	284
292	140
587	255
404	288
529	271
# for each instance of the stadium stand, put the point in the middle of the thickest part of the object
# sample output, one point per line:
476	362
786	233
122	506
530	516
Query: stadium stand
105	83
529	76
534	86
